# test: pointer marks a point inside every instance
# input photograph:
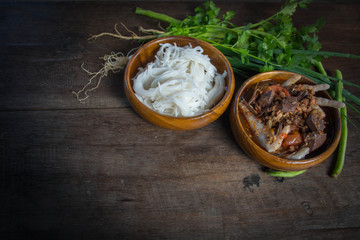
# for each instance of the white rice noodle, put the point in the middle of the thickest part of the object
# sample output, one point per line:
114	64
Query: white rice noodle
181	82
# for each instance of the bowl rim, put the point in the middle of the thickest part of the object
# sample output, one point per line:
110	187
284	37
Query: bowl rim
276	159
229	91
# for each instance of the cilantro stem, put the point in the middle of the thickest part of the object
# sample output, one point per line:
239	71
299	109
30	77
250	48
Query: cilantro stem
257	32
254	25
234	51
158	16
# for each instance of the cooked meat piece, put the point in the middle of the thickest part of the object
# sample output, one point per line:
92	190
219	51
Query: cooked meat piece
266	99
289	104
315	140
315	122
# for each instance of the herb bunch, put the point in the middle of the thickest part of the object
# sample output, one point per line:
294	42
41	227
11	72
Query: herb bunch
271	44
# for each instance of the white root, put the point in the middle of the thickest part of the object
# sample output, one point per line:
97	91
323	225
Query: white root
292	80
262	132
329	103
114	62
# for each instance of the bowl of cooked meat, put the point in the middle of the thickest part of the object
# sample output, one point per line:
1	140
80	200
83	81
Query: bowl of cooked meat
285	121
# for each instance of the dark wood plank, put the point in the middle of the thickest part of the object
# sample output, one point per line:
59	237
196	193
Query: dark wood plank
107	173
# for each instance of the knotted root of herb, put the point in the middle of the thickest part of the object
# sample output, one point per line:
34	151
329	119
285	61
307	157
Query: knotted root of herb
115	61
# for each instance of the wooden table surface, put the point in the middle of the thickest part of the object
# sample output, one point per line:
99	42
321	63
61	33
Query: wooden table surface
99	171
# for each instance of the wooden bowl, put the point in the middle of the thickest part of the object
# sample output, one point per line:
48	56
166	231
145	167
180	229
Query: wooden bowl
244	137
147	53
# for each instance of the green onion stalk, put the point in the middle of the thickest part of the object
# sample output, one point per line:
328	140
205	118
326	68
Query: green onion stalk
284	174
344	131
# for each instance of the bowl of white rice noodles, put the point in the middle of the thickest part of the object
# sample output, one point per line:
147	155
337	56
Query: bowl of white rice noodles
179	82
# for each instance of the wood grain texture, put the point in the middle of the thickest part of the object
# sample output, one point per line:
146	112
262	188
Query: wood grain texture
99	171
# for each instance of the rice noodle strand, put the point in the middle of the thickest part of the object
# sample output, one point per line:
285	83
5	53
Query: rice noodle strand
181	82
